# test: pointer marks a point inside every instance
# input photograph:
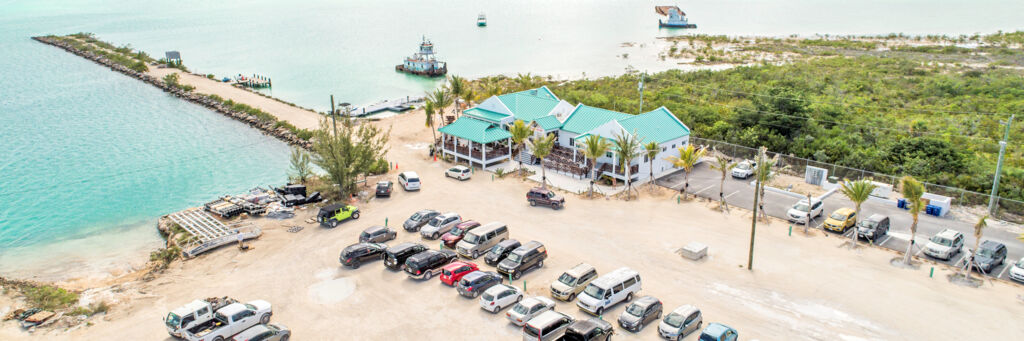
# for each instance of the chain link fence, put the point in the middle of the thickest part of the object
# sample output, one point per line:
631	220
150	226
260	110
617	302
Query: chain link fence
963	200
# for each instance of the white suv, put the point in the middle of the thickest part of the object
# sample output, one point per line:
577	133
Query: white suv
459	172
744	169
798	213
944	245
410	181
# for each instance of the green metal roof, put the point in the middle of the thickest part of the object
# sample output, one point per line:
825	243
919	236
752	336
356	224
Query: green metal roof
485	114
658	125
531	104
475	130
549	122
586	118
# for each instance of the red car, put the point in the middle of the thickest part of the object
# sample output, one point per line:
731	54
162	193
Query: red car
456	234
453	272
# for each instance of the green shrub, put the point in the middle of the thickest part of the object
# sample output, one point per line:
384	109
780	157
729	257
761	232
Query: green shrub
49	297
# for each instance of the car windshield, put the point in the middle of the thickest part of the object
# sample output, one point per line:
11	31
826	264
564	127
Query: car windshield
594	291
707	337
365	235
464	282
1020	264
567	279
495	250
675	320
635	309
868	224
456	231
173	320
488	297
987	252
220	317
802	207
471	238
551	195
521	309
446	272
743	166
838	216
942	241
416	217
514	257
436	221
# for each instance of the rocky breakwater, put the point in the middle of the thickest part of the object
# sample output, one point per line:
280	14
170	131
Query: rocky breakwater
271	128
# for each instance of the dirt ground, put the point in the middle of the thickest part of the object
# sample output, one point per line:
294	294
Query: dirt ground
801	288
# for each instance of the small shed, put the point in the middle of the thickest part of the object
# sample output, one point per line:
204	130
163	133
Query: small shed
173	57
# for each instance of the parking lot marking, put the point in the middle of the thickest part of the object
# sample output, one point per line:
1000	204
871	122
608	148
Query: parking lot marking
1005	267
730	194
919	252
704	189
959	258
885	240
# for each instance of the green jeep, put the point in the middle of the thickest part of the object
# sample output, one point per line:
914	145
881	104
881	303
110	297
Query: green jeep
331	215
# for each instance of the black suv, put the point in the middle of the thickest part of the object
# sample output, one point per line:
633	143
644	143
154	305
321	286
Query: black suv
384	188
395	256
497	253
523	258
540	196
475	283
356	254
418	219
592	329
426	264
989	255
873	228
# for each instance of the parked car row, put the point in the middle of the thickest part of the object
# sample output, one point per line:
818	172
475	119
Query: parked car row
223	318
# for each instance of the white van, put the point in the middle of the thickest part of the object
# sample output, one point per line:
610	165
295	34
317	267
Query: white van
410	181
607	290
481	239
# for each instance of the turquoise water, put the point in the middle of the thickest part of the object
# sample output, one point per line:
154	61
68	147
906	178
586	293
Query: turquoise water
86	151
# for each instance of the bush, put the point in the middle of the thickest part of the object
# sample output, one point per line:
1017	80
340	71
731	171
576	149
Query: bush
49	297
380	167
165	256
92	309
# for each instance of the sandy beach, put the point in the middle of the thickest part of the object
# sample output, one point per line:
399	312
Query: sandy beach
802	287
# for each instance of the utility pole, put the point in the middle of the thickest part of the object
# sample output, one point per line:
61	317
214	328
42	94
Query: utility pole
999	167
753	217
641	88
334	121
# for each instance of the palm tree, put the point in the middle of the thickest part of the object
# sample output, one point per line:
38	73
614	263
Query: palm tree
912	191
594	147
858	192
458	87
442	98
428	108
524	82
541	148
723	165
978	227
520	132
651	150
492	87
627	148
687	159
764	174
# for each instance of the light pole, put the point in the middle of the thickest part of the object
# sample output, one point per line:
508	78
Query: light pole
999	167
753	218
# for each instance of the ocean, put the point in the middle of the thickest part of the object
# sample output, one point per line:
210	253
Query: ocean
90	158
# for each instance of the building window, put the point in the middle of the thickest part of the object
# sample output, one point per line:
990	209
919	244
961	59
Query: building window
673	146
572	142
608	154
664	149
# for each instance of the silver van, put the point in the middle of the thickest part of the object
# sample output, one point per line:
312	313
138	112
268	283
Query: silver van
605	291
549	325
571	282
481	239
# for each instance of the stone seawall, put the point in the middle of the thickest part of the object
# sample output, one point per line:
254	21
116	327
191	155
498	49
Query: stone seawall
269	128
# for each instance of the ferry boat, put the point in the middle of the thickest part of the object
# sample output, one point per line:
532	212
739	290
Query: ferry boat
481	20
424	62
676	17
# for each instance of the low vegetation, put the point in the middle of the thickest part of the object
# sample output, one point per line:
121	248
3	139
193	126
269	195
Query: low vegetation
133	59
48	297
164	257
264	117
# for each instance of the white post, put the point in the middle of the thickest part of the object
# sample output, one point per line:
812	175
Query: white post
483	154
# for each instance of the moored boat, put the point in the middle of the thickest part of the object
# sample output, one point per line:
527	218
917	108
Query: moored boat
481	20
424	62
676	17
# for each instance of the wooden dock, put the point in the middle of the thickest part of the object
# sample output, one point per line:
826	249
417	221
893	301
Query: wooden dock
395	105
254	81
209	232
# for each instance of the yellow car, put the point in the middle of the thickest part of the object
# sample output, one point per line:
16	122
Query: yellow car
841	219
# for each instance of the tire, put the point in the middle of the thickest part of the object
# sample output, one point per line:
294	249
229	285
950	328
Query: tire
533	203
355	265
355	215
435	235
572	297
520	298
495	310
428	275
265	319
285	338
475	254
540	264
517	275
219	338
600	311
629	297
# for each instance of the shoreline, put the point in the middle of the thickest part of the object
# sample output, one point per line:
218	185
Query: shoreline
269	128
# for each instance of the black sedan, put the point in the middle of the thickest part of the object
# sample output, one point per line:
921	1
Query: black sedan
384	188
354	255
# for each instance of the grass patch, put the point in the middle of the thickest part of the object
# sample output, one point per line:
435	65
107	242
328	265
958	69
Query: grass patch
49	297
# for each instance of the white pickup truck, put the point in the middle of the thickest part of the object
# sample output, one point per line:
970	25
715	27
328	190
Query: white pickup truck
230	320
193	314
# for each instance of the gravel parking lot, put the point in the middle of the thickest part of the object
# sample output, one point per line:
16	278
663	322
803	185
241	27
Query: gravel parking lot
705	182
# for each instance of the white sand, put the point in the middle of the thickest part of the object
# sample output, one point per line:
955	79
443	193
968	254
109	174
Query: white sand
802	287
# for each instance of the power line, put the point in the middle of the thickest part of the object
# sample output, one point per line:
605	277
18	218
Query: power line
832	122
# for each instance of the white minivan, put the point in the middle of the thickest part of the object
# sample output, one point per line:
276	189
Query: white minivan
605	291
410	181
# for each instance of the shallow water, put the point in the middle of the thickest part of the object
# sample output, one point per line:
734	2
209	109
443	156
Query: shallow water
87	154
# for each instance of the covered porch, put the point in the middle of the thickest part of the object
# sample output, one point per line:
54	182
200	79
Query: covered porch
476	142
